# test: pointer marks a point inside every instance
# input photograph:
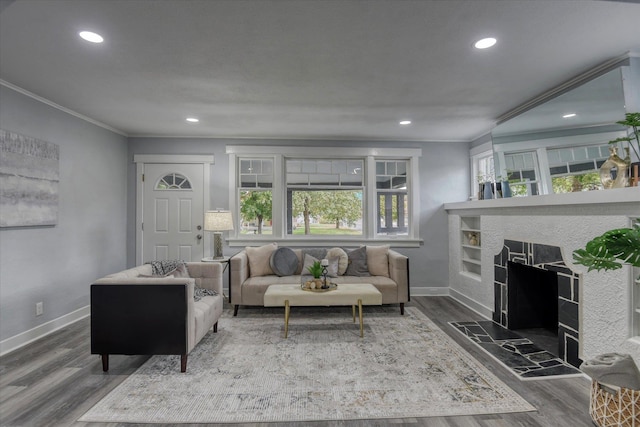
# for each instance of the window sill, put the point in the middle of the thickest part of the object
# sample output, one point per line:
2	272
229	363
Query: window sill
332	241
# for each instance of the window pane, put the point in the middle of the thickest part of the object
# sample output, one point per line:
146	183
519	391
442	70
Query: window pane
332	212
393	213
380	169
383	182
255	212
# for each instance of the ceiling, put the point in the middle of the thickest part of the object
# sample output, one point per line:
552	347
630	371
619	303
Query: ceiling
306	69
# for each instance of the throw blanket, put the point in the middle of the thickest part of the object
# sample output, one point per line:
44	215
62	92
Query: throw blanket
178	269
613	369
168	266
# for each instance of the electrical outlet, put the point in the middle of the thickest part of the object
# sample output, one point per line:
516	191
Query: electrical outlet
39	308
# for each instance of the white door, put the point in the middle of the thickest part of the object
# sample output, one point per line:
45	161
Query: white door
173	212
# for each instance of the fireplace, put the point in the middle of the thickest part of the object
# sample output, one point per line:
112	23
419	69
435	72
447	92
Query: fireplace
532	297
534	288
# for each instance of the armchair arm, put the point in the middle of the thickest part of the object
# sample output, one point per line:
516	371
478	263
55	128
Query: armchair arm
208	275
239	265
148	316
399	272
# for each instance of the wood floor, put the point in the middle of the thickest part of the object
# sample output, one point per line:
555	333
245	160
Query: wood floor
54	381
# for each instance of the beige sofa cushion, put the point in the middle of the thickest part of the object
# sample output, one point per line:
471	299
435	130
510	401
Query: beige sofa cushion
259	259
343	259
377	260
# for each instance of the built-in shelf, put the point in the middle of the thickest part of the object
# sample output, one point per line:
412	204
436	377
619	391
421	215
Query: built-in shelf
470	240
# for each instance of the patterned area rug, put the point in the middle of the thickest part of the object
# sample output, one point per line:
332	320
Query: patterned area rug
405	366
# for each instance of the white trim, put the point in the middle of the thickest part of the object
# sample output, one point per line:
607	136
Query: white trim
482	310
173	158
17	341
391	153
140	160
322	241
613	195
60	107
420	291
481	149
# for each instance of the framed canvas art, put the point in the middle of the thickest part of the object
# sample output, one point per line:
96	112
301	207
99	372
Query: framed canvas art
29	181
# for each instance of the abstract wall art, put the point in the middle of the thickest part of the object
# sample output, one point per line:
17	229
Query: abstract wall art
29	181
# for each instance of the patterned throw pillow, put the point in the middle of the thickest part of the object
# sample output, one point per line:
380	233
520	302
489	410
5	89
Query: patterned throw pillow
357	263
332	268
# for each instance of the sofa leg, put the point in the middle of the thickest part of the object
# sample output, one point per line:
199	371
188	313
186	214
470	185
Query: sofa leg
402	308
235	310
105	362
215	327
183	363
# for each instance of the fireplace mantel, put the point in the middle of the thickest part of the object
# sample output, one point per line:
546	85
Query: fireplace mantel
567	221
570	200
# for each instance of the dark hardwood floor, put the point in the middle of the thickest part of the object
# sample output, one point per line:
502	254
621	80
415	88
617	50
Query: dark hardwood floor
54	381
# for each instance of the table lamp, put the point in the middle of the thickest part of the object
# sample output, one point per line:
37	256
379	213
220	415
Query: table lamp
218	221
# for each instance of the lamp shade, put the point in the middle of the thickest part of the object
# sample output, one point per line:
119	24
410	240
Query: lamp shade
218	220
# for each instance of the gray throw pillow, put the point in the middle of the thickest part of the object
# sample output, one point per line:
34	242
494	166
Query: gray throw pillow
357	263
284	262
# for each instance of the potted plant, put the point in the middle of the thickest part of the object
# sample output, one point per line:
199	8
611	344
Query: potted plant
632	122
610	250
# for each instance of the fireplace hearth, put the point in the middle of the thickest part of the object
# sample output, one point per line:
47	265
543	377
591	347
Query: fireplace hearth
534	288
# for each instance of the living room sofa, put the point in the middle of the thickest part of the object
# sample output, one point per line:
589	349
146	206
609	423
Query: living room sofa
135	312
385	268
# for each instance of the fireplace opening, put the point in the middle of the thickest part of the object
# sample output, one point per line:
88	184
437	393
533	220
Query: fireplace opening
532	298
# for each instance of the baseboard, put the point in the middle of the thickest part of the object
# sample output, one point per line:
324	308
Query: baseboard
482	310
27	337
429	292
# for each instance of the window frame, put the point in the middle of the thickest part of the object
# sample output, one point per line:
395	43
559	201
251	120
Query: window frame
279	154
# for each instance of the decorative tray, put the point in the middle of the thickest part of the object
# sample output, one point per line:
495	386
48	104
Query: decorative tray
332	287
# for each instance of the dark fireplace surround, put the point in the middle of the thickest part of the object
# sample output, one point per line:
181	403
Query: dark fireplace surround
549	259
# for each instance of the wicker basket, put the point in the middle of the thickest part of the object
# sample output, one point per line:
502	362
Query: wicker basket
618	407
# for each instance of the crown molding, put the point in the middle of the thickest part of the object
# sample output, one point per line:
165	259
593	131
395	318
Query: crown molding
567	85
60	107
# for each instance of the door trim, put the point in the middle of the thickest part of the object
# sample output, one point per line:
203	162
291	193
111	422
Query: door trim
141	159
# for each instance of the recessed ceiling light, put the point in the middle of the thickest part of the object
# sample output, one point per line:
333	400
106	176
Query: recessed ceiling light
485	43
91	37
568	116
192	120
405	122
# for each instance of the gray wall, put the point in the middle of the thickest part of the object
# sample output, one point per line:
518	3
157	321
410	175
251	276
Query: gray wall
444	176
55	265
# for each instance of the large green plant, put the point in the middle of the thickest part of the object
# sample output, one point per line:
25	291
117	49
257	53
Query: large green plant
610	250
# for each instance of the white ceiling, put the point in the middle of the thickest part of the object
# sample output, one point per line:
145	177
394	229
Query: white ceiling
307	69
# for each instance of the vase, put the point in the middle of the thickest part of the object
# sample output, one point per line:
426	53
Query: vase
506	189
488	193
613	164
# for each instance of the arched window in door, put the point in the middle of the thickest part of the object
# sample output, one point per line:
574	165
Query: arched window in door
173	181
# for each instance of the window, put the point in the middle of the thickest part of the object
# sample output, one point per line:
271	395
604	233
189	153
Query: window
482	165
522	173
256	198
391	187
324	197
173	181
301	193
576	168
635	293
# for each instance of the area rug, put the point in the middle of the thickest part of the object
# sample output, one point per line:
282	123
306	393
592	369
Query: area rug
405	366
521	356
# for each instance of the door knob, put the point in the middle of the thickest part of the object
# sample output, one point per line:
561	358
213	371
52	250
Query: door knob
199	236
199	227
